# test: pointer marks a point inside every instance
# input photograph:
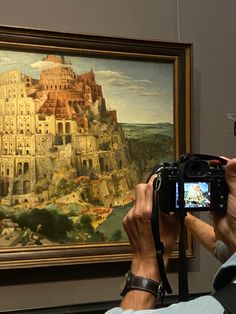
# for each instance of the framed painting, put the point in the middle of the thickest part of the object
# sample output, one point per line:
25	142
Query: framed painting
83	119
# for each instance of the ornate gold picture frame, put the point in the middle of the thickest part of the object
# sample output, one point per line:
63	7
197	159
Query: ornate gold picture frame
83	119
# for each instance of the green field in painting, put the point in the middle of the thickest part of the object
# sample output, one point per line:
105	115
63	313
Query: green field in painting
113	224
149	145
140	130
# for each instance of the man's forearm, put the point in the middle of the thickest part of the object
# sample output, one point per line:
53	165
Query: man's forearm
202	231
138	300
148	268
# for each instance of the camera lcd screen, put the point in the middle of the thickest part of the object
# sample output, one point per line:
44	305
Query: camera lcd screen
196	195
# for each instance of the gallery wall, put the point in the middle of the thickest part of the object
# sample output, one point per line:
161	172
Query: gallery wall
210	26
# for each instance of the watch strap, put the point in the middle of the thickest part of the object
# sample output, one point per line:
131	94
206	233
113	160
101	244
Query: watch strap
134	282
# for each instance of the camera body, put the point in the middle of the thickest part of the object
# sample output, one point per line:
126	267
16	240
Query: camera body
205	188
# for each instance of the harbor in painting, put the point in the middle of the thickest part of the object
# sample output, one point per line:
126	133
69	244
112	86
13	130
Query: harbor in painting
68	164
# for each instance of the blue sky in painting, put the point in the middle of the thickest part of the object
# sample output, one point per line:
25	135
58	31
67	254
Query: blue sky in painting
140	91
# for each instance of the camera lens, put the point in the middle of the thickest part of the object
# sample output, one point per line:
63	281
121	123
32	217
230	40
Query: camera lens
196	168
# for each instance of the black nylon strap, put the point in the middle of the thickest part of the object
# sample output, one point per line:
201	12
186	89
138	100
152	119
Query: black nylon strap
226	296
158	244
183	275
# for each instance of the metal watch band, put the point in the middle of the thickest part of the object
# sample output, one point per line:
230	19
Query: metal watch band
134	282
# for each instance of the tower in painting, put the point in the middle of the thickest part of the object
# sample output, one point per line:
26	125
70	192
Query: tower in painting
55	126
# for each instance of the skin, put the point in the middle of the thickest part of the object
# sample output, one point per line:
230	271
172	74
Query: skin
206	234
202	231
225	224
137	224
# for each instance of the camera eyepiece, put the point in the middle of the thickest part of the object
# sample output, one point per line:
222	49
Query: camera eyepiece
196	168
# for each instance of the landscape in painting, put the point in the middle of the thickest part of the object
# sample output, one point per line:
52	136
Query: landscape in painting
72	148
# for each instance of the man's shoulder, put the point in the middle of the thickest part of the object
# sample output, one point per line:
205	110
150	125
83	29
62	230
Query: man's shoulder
226	273
205	304
222	251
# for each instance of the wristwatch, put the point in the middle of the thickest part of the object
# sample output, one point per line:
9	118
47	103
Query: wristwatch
133	282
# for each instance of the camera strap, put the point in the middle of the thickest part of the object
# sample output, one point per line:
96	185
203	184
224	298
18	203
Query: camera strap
183	279
158	243
183	275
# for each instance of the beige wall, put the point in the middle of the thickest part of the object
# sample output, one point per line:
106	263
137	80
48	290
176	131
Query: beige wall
210	26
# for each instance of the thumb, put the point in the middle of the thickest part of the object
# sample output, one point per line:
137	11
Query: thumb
230	175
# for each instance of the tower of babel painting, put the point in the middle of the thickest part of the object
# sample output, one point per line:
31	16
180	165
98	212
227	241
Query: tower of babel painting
55	130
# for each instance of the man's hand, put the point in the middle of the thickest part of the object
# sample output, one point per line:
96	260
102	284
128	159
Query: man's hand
225	223
202	231
137	224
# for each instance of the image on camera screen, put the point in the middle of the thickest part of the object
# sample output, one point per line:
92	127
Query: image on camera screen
196	194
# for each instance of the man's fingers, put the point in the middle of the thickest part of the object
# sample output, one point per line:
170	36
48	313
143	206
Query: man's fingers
144	199
231	168
152	178
225	158
230	174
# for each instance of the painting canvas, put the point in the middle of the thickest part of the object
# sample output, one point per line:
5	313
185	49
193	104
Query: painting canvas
83	119
77	135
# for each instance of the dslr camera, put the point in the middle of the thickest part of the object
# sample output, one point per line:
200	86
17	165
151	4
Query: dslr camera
203	180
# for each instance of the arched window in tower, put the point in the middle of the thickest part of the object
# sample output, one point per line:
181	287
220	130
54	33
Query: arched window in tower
27	149
17	188
2	188
26	187
60	128
6	148
19	169
26	167
90	163
67	127
102	163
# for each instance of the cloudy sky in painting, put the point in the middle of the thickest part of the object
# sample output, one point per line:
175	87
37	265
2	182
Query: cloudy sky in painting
140	91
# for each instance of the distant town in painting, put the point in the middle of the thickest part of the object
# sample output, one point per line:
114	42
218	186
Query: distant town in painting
76	135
